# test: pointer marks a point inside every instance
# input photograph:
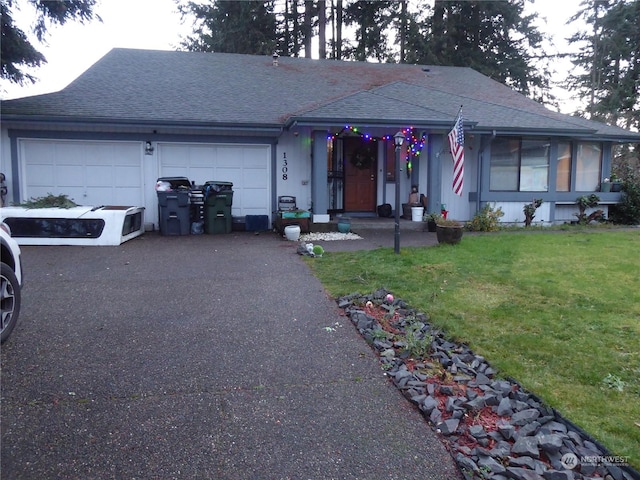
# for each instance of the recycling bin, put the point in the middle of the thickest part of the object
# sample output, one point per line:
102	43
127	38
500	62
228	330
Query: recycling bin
173	205
218	202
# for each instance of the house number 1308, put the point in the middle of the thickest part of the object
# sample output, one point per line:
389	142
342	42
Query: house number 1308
285	168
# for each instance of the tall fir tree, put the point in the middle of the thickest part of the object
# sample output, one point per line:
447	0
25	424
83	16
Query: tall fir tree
371	19
17	51
608	63
495	38
231	27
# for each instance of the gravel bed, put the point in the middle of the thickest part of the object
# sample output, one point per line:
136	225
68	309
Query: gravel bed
493	428
329	236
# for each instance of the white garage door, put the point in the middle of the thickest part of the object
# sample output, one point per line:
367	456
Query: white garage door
89	173
246	166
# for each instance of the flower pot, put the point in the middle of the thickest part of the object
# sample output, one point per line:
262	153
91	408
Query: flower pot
450	234
431	226
605	187
344	225
292	232
616	186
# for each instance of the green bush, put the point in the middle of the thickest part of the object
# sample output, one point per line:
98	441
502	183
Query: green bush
50	201
627	212
486	220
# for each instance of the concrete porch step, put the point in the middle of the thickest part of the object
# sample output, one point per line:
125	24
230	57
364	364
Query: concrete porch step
369	223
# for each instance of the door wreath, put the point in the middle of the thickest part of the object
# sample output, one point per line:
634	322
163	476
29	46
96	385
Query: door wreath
363	158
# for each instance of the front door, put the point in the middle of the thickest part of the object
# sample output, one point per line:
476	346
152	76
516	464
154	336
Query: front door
360	166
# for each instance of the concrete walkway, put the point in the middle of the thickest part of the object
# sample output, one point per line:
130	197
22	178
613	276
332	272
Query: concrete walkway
209	357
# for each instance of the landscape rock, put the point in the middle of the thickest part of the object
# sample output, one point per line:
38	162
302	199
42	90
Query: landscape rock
526	446
557	475
449	427
453	387
492	464
550	443
525	416
523	474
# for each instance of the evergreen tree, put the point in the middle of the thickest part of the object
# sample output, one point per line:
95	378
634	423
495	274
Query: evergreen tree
414	27
16	51
232	27
608	65
371	18
492	37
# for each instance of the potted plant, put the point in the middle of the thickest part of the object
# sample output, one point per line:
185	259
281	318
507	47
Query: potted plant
431	219
449	231
605	186
616	184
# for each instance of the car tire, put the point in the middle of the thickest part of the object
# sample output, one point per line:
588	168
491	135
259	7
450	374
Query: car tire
10	297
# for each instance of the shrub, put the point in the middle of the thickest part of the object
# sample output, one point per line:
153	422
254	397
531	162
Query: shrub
486	220
50	201
627	212
588	201
530	211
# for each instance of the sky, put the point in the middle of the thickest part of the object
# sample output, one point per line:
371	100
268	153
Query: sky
155	25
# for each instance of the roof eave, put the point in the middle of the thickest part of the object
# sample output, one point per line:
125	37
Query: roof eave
328	122
205	127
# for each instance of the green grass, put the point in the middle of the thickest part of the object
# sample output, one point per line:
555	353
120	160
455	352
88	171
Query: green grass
557	311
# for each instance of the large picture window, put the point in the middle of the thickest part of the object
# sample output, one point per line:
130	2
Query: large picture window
519	165
588	165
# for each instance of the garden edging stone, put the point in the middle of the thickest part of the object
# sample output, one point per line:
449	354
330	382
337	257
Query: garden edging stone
493	427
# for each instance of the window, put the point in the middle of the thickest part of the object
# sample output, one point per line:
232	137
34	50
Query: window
504	164
519	165
588	163
534	166
563	171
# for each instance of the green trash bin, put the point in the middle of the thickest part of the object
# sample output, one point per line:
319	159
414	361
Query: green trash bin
219	199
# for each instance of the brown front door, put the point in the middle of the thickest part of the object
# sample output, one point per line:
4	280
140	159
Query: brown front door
360	166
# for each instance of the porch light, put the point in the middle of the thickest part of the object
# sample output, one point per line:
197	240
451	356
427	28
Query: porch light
398	138
148	148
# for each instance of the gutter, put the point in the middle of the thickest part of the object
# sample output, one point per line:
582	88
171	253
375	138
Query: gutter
330	122
100	124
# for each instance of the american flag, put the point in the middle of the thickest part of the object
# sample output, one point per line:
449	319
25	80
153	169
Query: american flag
456	144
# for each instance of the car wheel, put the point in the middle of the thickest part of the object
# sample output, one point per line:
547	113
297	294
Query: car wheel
9	301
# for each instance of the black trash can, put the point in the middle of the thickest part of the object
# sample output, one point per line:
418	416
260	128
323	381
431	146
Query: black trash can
219	199
173	206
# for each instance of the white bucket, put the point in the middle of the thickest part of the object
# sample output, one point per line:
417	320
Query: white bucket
292	232
416	214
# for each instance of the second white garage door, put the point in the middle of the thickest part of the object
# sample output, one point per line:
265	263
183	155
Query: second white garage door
246	166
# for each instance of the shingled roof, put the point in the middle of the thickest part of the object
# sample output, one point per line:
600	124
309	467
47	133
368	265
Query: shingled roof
129	86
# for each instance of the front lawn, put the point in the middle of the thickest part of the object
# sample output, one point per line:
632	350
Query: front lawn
557	311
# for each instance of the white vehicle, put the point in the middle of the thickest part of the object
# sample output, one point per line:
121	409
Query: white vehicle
10	282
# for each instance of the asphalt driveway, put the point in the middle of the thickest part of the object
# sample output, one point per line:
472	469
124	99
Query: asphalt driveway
198	357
